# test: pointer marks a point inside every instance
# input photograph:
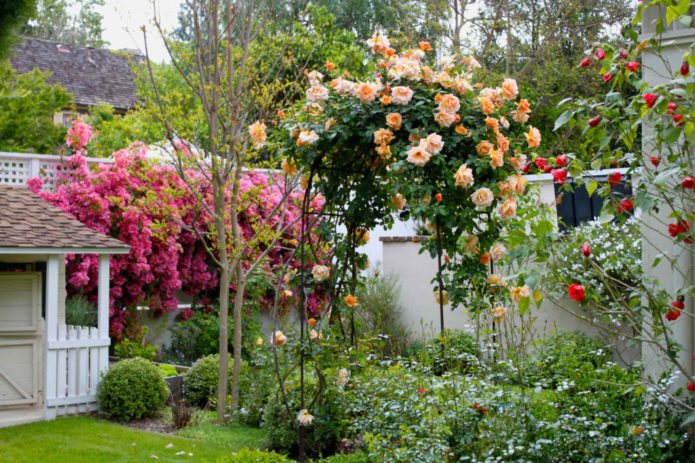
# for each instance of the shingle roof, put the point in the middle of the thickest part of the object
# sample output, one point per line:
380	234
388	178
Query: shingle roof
91	76
27	221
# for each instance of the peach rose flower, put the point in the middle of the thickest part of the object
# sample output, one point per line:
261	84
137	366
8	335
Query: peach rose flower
398	200
486	105
350	300
518	160
320	272
401	95
394	120
499	312
384	151
445	119
505	187
317	93
379	43
507	209
484	148
519	184
257	134
418	156
509	89
342	86
464	176
433	143
471	245
461	130
383	137
519	117
365	91
497	252
307	137
533	137
288	166
519	292
449	103
277	338
496	158
503	143
493	123
482	197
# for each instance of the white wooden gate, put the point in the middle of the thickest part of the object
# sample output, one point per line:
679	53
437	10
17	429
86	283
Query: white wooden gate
21	362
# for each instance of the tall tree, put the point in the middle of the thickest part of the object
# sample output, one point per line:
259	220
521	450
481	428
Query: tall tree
13	15
75	22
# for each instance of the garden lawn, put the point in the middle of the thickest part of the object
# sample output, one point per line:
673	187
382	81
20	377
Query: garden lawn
86	439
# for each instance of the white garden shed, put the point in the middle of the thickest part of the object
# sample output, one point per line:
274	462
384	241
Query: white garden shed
47	368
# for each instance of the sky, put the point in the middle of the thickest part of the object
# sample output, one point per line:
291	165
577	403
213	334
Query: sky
124	18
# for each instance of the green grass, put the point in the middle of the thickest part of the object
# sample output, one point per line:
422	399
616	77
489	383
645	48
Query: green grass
233	436
84	439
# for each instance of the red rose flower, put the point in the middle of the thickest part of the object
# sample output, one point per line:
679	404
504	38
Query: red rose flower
632	66
677	118
527	168
650	99
671	107
586	249
540	163
614	178
624	205
607	77
595	121
547	169
560	175
691	386
655	160
688	182
673	315
561	160
599	54
623	53
681	226
422	391
576	292
678	304
585	62
685	68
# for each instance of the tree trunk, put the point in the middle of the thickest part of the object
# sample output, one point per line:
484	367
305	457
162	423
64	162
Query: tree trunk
225	279
238	306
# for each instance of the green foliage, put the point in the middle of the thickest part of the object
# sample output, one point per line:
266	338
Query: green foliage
27	105
75	22
79	311
131	348
13	14
380	312
253	456
456	350
200	382
167	370
132	389
358	457
114	132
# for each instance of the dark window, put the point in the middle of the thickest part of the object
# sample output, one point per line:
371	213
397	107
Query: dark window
576	207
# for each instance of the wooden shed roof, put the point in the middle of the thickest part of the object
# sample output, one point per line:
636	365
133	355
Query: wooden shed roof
31	225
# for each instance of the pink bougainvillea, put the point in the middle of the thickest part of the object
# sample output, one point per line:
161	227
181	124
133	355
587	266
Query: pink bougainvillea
148	206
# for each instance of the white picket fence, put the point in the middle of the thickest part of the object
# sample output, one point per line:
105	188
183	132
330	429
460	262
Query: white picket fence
81	355
17	168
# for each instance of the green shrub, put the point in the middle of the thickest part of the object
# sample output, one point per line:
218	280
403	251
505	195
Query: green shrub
358	457
167	370
456	350
200	382
253	456
132	389
130	348
79	311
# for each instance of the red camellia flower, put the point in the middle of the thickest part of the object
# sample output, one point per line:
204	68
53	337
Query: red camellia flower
527	168
655	160
624	205
540	163
560	175
677	118
675	229
586	249
685	68
623	53
585	62
595	121
547	169
576	292
599	54
688	182
614	178
691	386
607	77
671	107
561	160
673	315
678	304
632	66
650	99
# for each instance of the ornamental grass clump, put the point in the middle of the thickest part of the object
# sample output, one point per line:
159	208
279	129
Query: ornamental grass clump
132	389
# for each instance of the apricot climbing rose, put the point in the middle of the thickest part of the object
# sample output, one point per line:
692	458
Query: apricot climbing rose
498	251
277	338
343	377
533	137
510	89
399	201
288	166
484	148
449	103
485	258
394	120
486	105
499	312
379	43
365	91
342	86
517	293
522	112
320	272
317	93
257	134
445	119
464	176
350	300
401	95
461	130
496	279
471	245
482	197
304	417
433	143
383	137
507	209
444	298
496	159
518	184
362	236
503	143
418	156
307	137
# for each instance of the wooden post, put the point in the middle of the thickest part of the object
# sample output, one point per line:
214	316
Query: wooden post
52	292
103	309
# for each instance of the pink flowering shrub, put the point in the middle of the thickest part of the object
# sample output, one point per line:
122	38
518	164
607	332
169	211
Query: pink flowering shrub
150	208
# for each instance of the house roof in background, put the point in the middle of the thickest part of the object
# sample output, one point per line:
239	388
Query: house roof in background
91	75
30	223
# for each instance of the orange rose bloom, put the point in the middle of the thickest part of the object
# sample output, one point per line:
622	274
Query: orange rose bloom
329	65
383	137
485	258
486	105
386	100
350	300
394	120
425	46
493	123
503	143
311	321
461	130
533	137
496	159
484	148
